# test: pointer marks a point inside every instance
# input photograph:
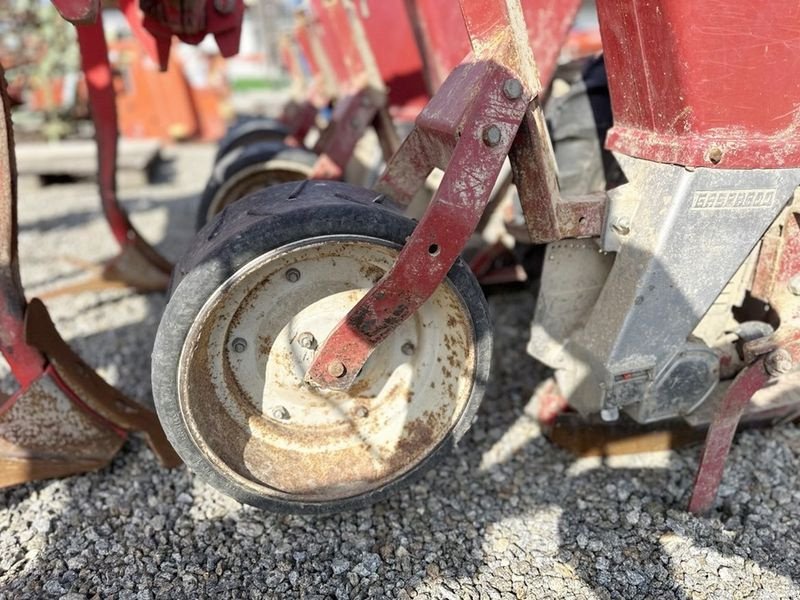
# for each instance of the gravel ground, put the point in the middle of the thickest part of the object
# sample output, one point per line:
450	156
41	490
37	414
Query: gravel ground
508	516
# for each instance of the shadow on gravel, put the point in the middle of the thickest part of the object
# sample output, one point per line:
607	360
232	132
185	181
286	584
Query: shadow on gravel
508	515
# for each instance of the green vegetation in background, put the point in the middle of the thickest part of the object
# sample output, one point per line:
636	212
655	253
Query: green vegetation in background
249	84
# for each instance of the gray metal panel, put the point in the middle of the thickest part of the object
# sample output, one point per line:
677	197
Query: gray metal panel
690	232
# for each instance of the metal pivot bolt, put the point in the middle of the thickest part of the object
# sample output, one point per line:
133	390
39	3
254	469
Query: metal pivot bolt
778	361
610	415
794	285
307	340
715	155
621	225
239	345
362	412
491	135
512	89
292	275
280	413
336	368
407	348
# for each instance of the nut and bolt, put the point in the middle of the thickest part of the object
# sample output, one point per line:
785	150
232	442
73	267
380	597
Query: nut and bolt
609	415
362	412
239	345
794	285
407	348
293	275
778	362
621	225
491	135
715	155
280	413
336	368
307	340
512	89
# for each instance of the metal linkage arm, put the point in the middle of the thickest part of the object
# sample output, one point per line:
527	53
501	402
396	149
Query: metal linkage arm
472	121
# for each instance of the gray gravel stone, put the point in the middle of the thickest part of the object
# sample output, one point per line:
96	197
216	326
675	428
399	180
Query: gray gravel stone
507	516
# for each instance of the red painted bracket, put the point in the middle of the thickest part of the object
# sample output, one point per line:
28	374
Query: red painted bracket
469	127
484	127
97	70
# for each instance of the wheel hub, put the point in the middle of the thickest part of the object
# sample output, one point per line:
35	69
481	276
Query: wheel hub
242	369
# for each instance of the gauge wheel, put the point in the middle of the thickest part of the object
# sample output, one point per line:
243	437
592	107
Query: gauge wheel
251	131
251	168
252	301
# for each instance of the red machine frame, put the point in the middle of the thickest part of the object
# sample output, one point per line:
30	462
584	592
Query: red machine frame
489	108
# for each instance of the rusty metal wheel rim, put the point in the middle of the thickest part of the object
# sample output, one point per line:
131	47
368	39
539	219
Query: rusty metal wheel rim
254	178
240	388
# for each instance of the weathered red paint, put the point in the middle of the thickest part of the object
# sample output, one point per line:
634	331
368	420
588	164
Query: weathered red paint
97	72
133	16
468	126
720	435
78	11
99	82
352	115
388	30
26	362
191	21
704	83
443	40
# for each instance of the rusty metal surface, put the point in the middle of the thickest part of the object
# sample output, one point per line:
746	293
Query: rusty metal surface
26	363
97	70
477	111
441	234
720	436
65	419
87	388
242	366
43	435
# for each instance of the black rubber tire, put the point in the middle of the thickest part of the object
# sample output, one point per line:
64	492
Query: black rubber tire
287	163
270	219
251	130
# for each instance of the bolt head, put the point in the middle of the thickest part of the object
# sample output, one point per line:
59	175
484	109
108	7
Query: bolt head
362	412
280	413
512	89
622	225
491	135
714	155
292	275
407	348
239	345
610	415
307	340
336	368
794	285
778	362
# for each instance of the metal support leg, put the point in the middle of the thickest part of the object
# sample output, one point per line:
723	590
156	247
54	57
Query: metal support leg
64	419
138	264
